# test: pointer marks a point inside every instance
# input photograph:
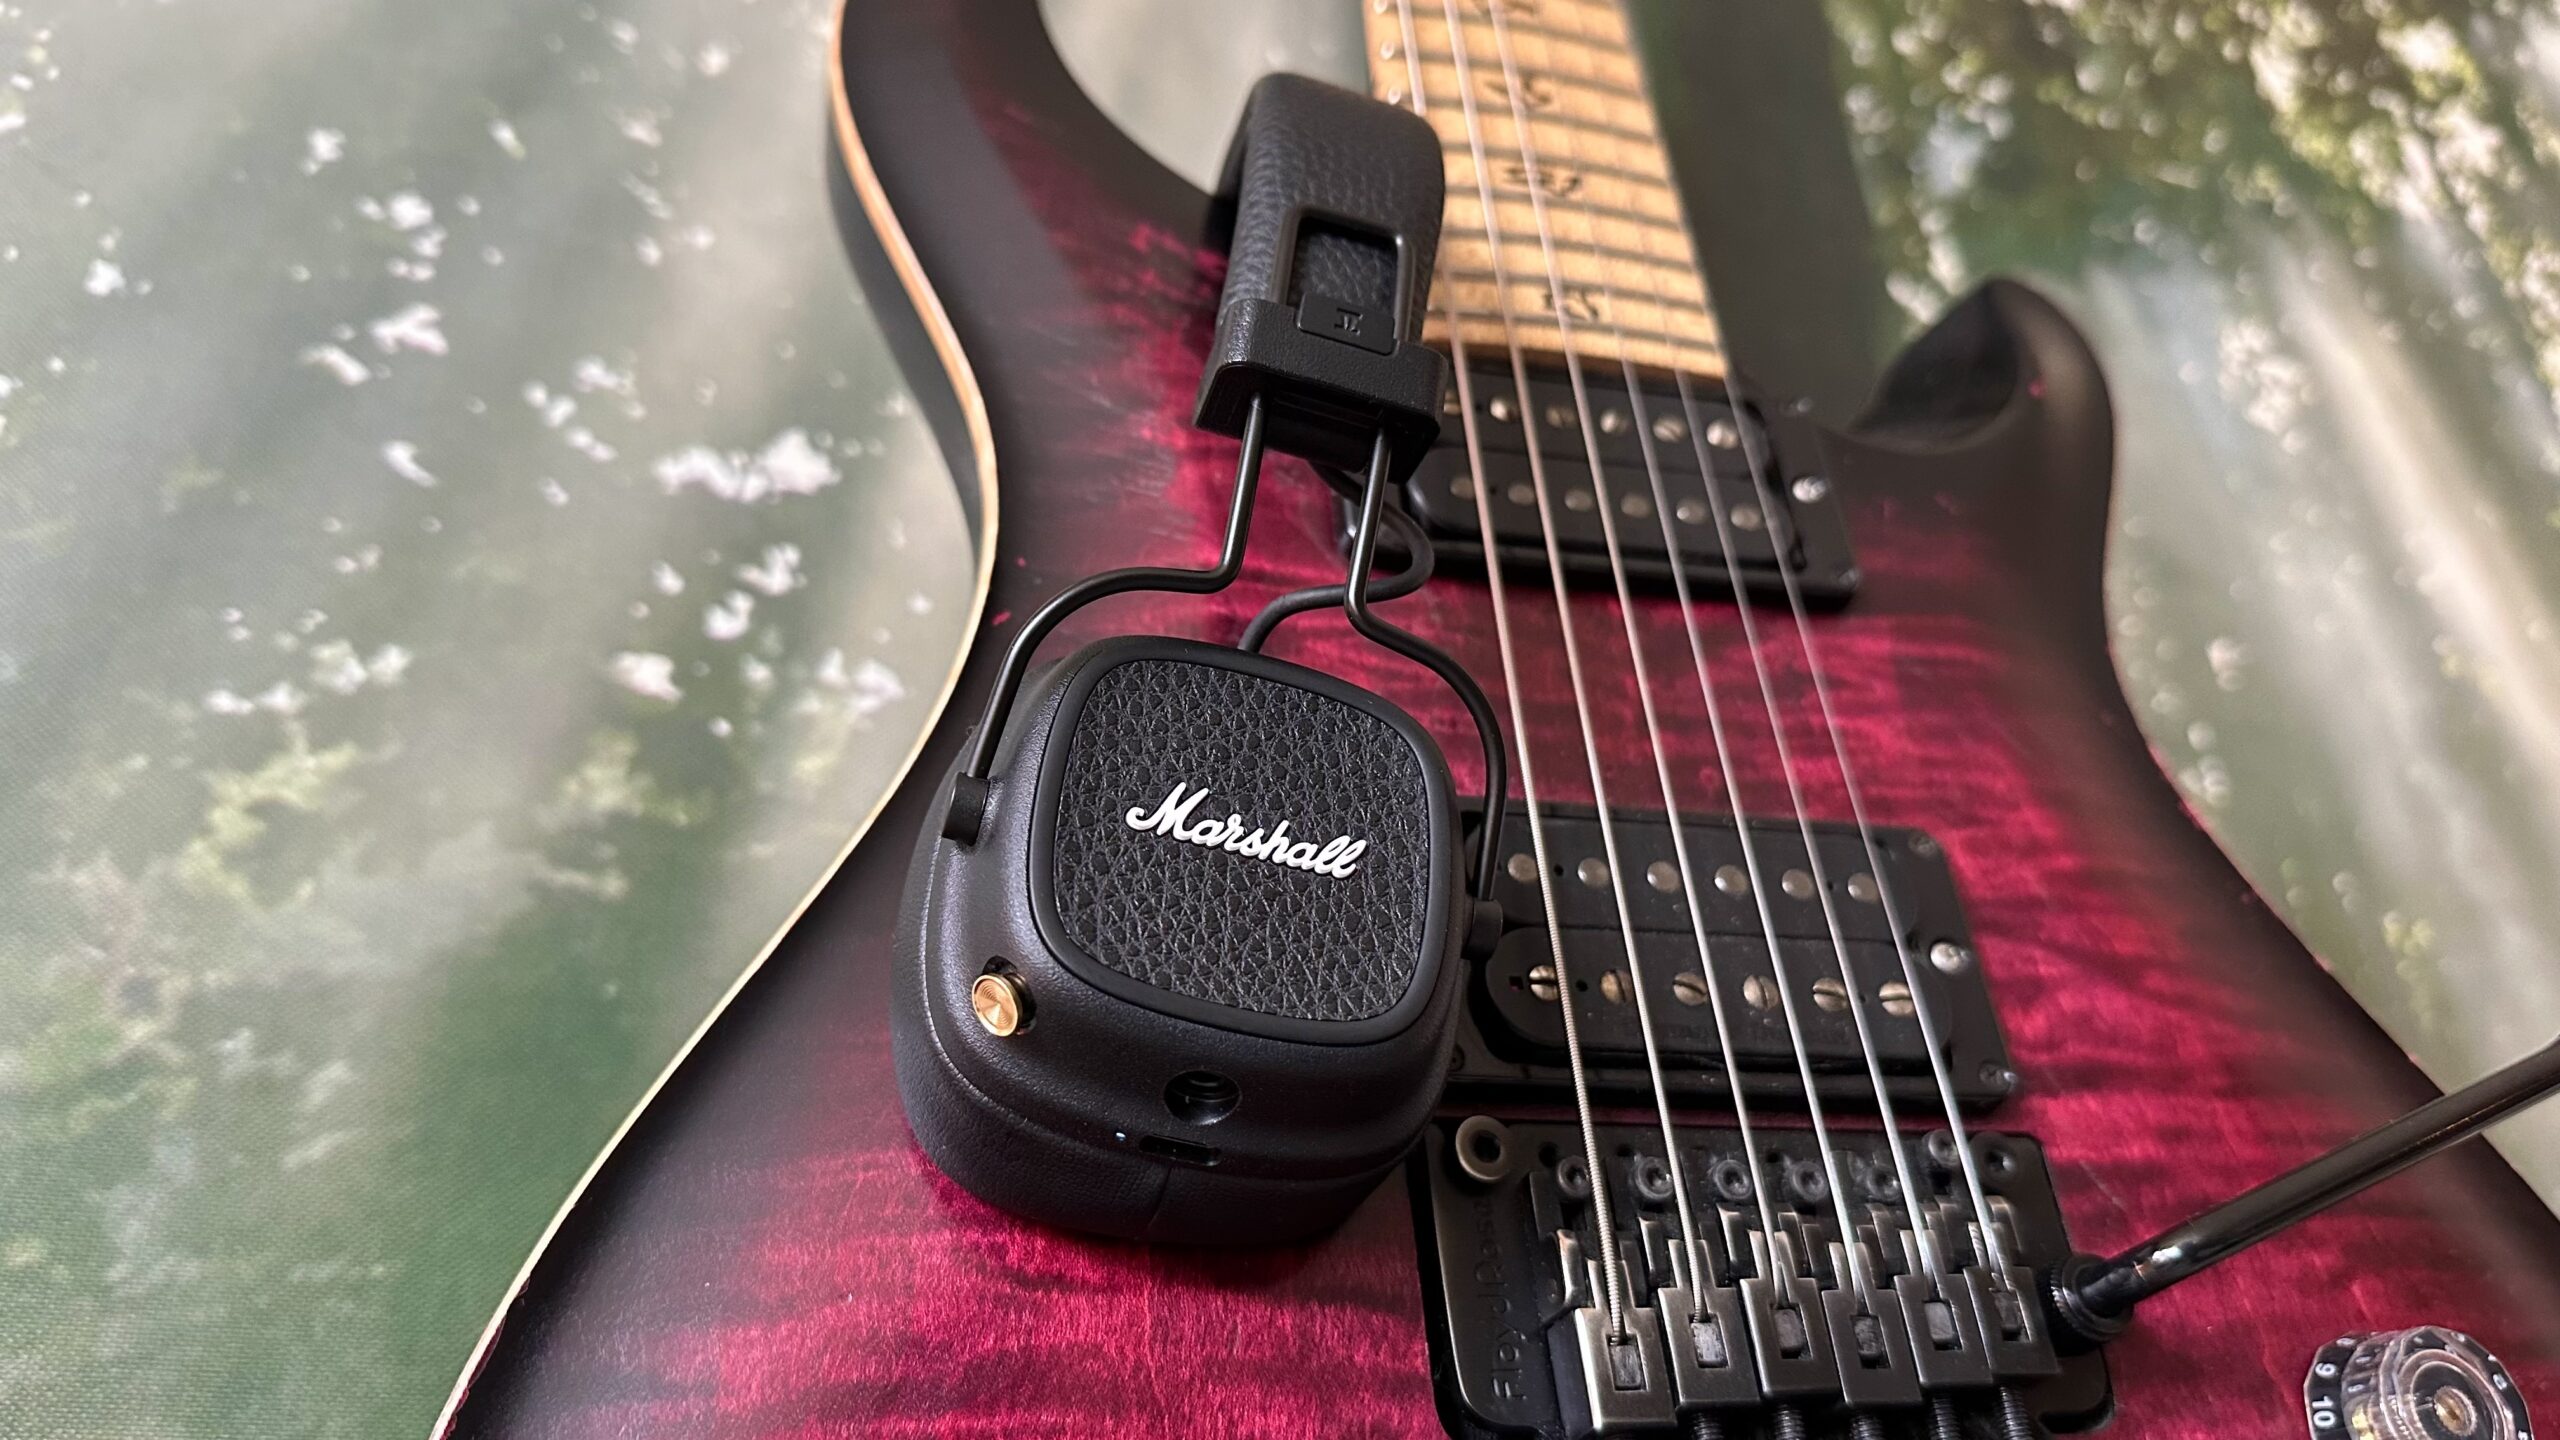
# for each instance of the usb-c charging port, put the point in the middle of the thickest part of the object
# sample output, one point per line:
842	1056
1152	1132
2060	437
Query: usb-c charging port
1181	1152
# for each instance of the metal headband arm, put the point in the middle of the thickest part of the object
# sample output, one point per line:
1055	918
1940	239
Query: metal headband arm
969	790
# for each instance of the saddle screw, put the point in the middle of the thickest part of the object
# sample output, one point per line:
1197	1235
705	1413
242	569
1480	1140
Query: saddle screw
1950	957
1689	988
1542	981
1732	1181
1651	1178
1573	1178
1806	1183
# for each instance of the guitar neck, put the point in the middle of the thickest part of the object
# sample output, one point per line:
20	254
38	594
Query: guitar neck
1614	242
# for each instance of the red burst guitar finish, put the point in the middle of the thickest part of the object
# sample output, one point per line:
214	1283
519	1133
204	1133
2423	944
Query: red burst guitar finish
1841	980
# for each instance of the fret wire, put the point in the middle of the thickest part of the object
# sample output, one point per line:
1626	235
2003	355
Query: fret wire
1471	258
1443	60
1544	336
1587	55
1595	127
1679	266
1605	194
1578	166
1519	27
1472	276
1631	217
1606	90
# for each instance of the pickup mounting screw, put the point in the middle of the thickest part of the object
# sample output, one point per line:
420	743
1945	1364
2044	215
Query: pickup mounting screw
1690	512
1663	876
1731	880
1895	996
1542	981
1689	988
1830	994
1950	957
1670	429
1523	867
1809	489
1798	884
1862	888
1746	517
1722	435
1761	992
1613	987
1000	1002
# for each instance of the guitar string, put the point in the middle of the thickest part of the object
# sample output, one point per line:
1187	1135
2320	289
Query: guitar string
1676	823
1612	1285
1612	858
1775	517
1930	1034
1534	186
1855	994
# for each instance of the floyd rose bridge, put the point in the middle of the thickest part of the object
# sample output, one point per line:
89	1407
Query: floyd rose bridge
1660	1278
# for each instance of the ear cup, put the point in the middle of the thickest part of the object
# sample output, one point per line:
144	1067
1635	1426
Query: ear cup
1197	977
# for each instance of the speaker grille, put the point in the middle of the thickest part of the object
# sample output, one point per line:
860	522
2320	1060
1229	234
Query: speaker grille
1228	928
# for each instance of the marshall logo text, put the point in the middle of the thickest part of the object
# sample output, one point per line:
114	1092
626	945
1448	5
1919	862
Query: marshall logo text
1334	859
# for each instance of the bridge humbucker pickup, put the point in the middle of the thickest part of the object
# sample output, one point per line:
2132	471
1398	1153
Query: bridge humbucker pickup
1510	1253
1441	494
1511	1039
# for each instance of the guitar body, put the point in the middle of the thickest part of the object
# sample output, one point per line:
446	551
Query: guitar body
767	1252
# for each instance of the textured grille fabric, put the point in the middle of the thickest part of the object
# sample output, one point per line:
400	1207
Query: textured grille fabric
1226	928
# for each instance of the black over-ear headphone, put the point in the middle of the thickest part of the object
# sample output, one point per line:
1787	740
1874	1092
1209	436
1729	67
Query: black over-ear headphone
1181	957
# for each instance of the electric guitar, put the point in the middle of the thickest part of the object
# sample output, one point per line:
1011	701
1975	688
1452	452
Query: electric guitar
1845	978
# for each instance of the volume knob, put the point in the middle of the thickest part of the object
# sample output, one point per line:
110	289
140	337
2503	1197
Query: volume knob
2428	1383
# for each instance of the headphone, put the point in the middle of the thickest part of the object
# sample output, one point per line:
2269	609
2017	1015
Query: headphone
1182	950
